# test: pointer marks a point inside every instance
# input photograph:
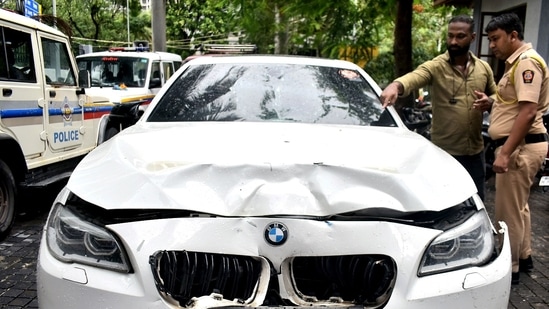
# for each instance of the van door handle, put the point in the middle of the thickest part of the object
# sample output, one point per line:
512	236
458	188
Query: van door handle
52	93
7	92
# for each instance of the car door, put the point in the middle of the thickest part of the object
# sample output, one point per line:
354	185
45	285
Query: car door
22	97
64	112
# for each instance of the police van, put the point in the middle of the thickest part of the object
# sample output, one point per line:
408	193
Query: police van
128	74
48	120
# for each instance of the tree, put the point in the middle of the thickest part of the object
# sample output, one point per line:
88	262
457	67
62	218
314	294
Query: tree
427	38
372	33
402	48
192	23
312	27
102	23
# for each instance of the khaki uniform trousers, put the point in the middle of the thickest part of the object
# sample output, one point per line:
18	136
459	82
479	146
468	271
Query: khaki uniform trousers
512	193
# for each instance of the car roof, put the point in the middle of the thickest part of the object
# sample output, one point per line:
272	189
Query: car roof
133	54
282	59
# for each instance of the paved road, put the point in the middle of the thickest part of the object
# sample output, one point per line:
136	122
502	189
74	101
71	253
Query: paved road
533	289
19	251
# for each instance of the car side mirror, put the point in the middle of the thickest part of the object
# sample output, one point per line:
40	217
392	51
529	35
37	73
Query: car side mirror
84	79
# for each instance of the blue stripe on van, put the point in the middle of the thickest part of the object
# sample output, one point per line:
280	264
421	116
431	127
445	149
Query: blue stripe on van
15	113
95	109
33	112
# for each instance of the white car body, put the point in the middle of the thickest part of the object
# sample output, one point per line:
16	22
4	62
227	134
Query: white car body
275	193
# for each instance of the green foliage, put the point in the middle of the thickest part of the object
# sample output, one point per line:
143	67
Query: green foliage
102	23
382	68
192	23
311	27
429	30
354	29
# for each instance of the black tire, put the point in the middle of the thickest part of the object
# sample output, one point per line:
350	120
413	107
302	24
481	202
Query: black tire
111	131
7	200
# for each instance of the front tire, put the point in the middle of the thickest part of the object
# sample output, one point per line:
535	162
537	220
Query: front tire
7	200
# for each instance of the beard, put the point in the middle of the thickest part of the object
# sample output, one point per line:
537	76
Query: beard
456	51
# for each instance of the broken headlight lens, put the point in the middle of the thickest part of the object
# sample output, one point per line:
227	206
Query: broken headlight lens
469	244
72	238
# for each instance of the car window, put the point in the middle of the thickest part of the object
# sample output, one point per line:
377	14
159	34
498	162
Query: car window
57	63
155	70
16	61
270	92
115	70
168	69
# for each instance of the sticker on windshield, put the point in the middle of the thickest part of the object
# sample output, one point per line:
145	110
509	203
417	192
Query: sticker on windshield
348	74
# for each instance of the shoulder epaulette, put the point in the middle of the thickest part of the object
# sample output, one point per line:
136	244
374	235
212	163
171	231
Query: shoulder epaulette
523	56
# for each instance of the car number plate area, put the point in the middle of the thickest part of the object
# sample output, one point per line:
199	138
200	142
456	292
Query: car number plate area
544	181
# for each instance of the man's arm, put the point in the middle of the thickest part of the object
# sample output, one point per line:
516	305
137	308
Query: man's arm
407	83
485	99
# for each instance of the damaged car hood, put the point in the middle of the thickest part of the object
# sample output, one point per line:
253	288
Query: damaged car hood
260	169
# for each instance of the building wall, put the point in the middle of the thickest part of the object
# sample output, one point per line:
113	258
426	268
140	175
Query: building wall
146	5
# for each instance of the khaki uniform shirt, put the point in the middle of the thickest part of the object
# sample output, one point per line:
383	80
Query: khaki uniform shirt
530	84
456	127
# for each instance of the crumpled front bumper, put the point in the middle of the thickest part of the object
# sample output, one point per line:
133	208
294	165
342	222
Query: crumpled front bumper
63	285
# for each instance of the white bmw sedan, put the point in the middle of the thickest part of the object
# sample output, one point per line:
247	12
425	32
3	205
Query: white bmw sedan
271	181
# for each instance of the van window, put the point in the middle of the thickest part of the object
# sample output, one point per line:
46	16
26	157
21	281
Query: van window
168	69
107	71
57	64
16	61
155	71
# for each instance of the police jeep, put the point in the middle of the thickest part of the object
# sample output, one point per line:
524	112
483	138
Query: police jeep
47	120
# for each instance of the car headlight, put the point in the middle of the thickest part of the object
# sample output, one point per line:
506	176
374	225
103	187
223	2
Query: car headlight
469	244
72	238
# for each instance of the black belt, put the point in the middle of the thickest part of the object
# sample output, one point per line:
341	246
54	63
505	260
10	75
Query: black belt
528	139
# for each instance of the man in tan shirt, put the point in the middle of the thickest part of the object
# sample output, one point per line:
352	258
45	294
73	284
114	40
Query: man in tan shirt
517	128
459	84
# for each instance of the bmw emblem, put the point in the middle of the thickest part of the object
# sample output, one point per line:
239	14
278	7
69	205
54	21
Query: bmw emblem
276	233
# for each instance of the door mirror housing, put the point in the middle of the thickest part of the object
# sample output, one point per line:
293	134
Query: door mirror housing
84	79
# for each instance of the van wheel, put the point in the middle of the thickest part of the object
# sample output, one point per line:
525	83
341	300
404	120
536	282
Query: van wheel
7	200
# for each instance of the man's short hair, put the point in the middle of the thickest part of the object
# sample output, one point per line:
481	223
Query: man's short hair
464	19
507	22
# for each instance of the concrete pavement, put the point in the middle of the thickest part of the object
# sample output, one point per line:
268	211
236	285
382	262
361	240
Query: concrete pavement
533	289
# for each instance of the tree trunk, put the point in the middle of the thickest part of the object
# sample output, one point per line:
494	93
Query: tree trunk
402	46
158	9
281	33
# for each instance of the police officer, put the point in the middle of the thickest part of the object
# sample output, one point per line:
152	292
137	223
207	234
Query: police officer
516	126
